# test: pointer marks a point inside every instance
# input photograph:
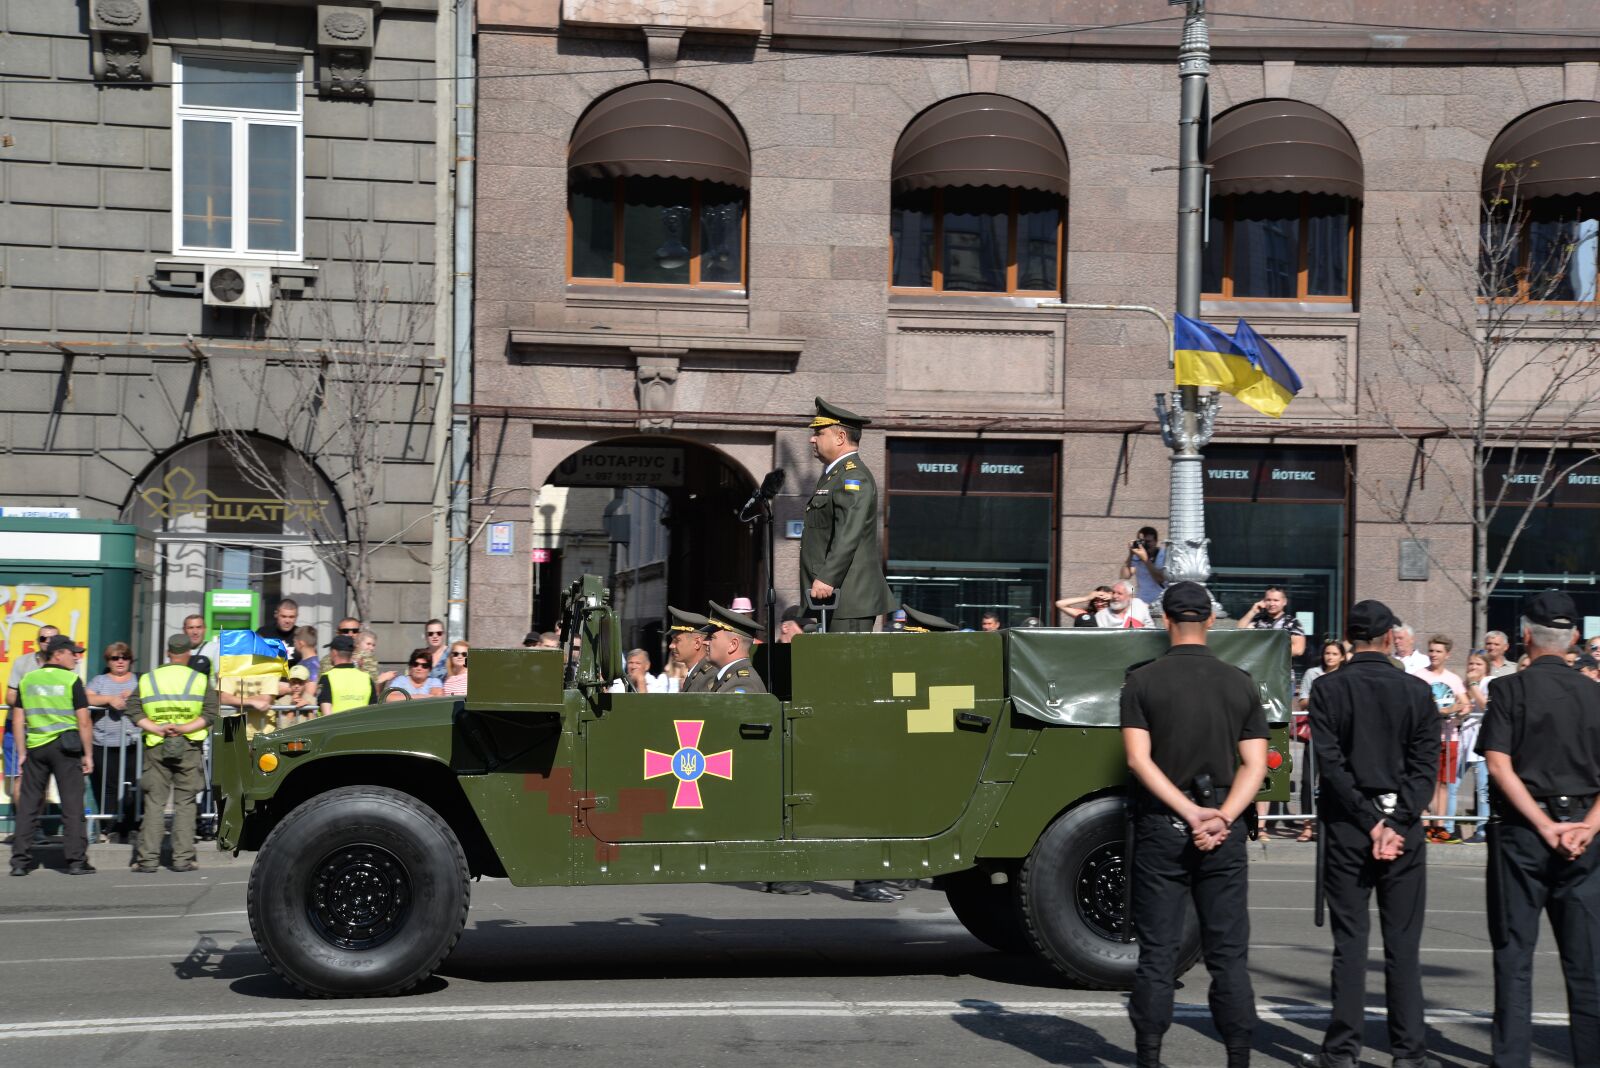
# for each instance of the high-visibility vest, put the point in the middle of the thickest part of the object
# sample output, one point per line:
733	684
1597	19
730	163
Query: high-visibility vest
47	704
173	693
348	687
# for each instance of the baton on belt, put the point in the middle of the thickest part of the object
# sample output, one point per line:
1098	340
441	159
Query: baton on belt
1320	878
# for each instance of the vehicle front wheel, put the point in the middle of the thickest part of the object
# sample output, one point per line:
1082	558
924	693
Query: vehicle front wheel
1073	904
362	891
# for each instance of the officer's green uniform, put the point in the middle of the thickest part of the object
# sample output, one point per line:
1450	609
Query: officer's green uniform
839	544
738	676
702	674
172	693
51	697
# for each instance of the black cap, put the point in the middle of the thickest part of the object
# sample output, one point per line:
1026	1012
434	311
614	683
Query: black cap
833	415
1551	608
60	641
531	638
686	622
1186	602
342	643
179	643
720	618
925	622
794	614
1368	621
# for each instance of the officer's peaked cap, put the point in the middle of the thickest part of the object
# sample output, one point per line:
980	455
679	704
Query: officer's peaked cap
924	622
721	618
833	415
683	622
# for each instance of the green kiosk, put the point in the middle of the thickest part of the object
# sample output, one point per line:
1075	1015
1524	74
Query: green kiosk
90	578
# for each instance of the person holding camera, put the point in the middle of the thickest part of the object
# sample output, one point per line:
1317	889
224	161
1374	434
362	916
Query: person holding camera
53	735
1146	568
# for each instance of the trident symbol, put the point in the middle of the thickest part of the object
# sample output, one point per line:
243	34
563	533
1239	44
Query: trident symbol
688	764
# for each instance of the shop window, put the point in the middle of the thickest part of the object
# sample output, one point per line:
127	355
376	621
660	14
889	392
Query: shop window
1549	252
1280	246
977	240
657	231
237	167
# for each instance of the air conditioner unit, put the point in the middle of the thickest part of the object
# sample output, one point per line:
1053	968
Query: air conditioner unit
229	286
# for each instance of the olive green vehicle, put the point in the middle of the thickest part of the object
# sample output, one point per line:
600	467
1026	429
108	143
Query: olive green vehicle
990	762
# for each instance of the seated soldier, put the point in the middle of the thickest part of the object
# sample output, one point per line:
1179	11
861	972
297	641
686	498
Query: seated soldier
729	651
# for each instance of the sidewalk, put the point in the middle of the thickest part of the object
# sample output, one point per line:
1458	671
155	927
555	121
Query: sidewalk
113	857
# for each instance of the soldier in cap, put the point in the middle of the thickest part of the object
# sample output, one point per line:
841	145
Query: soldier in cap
729	652
1376	737
925	622
839	558
1196	742
50	723
1541	740
687	646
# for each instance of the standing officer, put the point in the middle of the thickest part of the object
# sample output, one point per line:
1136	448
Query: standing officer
53	737
839	555
1376	736
729	652
343	685
1196	741
175	707
688	647
1541	740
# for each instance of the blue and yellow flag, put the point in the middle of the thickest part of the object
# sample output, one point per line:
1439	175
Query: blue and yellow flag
1245	365
244	652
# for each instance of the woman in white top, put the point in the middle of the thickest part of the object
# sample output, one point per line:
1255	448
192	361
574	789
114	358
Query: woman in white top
455	675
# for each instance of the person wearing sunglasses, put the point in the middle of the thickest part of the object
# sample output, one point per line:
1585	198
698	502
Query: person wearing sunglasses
455	679
418	680
433	635
115	736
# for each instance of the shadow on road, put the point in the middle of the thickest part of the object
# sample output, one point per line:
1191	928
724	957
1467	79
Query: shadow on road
1050	1038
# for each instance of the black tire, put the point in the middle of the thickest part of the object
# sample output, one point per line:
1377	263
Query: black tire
359	892
1071	897
988	911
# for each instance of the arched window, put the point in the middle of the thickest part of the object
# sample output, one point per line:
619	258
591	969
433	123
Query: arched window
658	189
1286	185
979	200
1541	215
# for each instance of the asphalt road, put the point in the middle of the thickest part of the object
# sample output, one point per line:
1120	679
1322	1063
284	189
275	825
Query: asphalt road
160	970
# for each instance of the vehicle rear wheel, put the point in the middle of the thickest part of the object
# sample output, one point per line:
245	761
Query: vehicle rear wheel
1072	904
361	891
988	911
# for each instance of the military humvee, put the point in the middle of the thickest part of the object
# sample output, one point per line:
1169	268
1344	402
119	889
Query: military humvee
988	761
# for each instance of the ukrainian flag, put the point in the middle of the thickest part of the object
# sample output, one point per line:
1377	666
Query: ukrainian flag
1245	365
244	652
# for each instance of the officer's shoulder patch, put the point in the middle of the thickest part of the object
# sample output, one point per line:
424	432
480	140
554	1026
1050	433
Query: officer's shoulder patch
849	465
853	485
743	674
737	689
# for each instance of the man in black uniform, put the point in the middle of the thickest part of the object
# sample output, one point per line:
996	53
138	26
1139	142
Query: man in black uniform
1196	740
840	563
1376	736
729	652
1541	741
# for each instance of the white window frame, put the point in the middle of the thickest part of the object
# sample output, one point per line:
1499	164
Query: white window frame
241	120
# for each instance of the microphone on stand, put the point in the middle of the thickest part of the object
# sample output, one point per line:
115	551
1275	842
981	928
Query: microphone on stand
770	486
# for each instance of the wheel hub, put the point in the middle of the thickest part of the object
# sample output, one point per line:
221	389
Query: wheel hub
1100	891
359	896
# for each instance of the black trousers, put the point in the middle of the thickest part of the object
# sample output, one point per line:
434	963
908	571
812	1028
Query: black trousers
1525	878
1169	871
1402	885
112	784
852	625
43	762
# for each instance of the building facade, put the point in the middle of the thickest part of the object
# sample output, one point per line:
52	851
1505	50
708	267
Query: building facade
220	316
694	218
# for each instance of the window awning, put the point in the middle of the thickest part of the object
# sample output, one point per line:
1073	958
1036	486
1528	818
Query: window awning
1563	139
981	139
659	130
1283	146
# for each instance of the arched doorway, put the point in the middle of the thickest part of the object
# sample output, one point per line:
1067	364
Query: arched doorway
216	530
658	516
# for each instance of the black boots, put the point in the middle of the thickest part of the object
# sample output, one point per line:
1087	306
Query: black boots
1238	1057
1148	1051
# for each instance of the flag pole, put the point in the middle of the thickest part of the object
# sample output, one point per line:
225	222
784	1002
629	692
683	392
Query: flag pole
1186	419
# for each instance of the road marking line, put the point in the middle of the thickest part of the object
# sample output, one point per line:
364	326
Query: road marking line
174	957
668	1010
148	916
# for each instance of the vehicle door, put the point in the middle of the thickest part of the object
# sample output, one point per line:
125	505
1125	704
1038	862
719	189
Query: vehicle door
890	732
685	767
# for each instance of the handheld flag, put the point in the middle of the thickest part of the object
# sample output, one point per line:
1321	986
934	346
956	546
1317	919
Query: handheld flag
1245	365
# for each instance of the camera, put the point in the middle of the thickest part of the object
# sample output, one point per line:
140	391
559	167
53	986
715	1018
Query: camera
1136	543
